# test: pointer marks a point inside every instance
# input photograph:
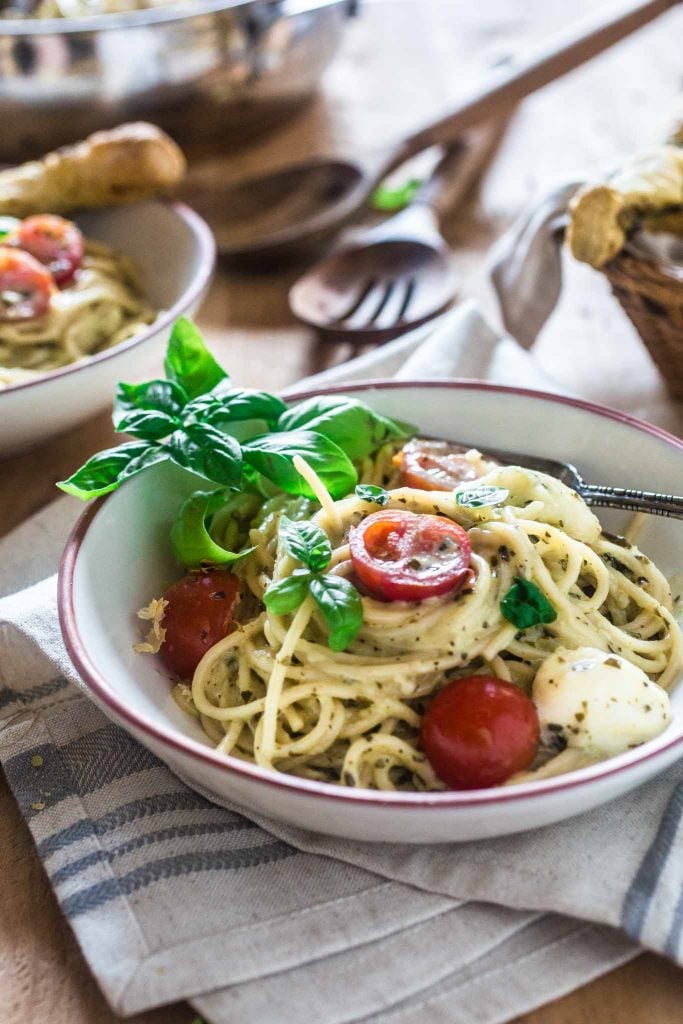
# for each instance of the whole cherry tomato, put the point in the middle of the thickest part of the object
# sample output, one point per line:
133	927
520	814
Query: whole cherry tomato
55	242
404	556
479	731
26	287
199	613
439	465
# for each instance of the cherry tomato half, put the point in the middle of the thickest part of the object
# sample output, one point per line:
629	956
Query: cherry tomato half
55	242
439	465
403	556
479	731
26	287
199	614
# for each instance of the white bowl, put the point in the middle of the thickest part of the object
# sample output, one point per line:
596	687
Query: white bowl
175	252
118	558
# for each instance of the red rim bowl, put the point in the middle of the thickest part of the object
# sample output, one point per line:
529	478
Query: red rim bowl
99	686
192	294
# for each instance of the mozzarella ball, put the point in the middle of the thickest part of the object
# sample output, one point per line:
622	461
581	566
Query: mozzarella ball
590	698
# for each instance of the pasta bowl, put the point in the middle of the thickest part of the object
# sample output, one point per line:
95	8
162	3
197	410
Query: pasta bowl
118	557
174	251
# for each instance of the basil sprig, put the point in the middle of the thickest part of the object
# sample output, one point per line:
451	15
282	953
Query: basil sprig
232	437
338	600
306	542
526	605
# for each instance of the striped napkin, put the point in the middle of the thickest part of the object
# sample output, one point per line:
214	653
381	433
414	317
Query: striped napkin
172	896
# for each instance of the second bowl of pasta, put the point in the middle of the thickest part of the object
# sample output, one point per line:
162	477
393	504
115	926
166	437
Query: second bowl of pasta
139	268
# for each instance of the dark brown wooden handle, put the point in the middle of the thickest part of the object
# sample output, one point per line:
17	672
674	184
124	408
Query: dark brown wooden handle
532	71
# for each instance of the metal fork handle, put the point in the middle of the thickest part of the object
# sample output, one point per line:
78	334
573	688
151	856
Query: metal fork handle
634	501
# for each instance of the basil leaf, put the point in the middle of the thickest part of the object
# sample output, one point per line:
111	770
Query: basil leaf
307	542
8	225
146	423
106	470
370	492
148	410
193	545
354	426
526	605
286	595
391	200
341	608
231	405
159	395
208	452
188	361
272	455
481	497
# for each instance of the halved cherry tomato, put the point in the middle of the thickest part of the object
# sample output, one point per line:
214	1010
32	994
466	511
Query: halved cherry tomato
479	731
404	556
55	242
199	613
439	465
26	287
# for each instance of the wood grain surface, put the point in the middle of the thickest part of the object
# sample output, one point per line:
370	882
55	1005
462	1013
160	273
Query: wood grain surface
403	63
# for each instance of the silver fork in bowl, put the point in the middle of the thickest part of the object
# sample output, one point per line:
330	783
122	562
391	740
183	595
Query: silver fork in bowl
628	498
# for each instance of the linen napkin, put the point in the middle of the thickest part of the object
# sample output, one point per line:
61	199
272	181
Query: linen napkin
525	264
171	896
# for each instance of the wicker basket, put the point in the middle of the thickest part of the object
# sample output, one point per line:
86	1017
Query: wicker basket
651	294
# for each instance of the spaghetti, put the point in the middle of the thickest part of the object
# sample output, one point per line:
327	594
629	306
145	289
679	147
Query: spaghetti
102	307
274	693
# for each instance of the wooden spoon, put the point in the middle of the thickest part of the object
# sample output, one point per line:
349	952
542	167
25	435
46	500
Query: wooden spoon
264	220
400	273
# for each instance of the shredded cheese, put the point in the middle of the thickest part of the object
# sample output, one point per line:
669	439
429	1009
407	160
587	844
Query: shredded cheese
154	613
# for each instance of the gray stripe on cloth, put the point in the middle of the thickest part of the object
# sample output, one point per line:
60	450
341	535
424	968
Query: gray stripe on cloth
639	896
186	800
96	896
673	939
80	766
37	775
98	758
75	867
33	694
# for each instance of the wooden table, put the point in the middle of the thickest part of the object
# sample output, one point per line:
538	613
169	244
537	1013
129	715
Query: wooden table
411	68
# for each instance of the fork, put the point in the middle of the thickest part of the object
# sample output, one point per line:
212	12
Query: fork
400	273
603	496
